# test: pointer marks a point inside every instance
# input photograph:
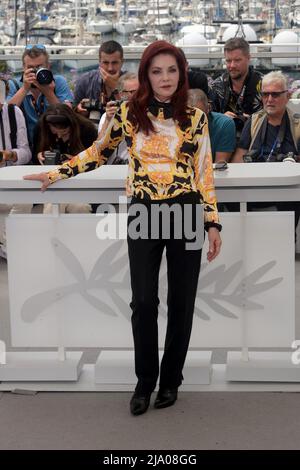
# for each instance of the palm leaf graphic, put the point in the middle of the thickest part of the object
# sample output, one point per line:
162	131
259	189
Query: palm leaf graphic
228	276
217	307
252	278
120	304
262	286
104	261
69	259
36	304
210	277
199	313
98	304
114	268
239	301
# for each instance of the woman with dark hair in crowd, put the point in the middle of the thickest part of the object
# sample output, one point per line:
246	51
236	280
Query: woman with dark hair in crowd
66	133
60	128
170	165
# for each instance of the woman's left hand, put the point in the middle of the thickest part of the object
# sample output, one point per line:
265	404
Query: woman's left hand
215	243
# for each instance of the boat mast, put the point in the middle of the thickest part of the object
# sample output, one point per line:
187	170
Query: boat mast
26	22
15	22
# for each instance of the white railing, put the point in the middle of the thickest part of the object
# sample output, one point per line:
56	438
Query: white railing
205	51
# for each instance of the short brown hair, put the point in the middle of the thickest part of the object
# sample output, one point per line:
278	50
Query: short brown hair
237	43
110	47
34	52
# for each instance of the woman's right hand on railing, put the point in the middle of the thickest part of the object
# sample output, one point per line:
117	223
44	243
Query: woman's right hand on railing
42	177
41	158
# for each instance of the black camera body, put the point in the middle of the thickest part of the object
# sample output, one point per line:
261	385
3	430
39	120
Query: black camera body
254	156
92	105
118	102
286	157
43	76
240	117
53	157
251	156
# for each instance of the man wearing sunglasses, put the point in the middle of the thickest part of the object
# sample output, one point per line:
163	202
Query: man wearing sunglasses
30	95
272	134
275	130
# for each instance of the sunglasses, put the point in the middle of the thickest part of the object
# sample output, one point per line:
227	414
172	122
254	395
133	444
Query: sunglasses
35	46
274	94
221	165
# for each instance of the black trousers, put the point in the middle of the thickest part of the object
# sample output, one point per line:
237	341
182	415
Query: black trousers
183	268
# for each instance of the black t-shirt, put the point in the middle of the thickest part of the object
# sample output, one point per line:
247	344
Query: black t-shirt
265	147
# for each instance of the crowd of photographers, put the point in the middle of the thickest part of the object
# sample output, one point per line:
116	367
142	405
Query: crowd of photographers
42	122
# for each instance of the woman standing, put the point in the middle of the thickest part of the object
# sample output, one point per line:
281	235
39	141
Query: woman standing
169	163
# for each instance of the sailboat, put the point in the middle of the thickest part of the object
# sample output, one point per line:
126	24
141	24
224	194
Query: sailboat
127	24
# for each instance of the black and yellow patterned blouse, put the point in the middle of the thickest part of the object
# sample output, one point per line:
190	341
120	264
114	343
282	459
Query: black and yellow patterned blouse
170	162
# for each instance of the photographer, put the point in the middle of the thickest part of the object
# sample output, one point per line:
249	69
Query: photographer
272	134
127	86
38	87
221	128
274	131
14	149
60	129
13	136
61	134
95	88
236	92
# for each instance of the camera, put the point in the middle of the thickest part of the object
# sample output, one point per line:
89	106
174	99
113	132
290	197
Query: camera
117	103
289	157
43	76
240	117
251	156
1	156
254	156
92	105
53	157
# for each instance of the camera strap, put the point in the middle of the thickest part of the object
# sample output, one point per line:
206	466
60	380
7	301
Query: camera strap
278	140
39	104
2	131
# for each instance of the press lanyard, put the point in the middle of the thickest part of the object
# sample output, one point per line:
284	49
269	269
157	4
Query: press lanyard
273	148
240	99
38	107
2	132
278	140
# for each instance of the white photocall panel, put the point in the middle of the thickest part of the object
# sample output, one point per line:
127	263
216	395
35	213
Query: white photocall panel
69	288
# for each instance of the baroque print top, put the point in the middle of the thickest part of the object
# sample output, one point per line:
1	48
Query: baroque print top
170	162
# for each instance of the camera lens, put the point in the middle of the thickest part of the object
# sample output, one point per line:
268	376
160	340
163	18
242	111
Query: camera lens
44	76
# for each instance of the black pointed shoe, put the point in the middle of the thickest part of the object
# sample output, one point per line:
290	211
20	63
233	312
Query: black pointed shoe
165	397
139	404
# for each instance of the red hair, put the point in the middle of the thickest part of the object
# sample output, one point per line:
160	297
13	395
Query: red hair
140	101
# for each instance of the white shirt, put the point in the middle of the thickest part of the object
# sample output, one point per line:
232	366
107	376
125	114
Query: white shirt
121	151
23	151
